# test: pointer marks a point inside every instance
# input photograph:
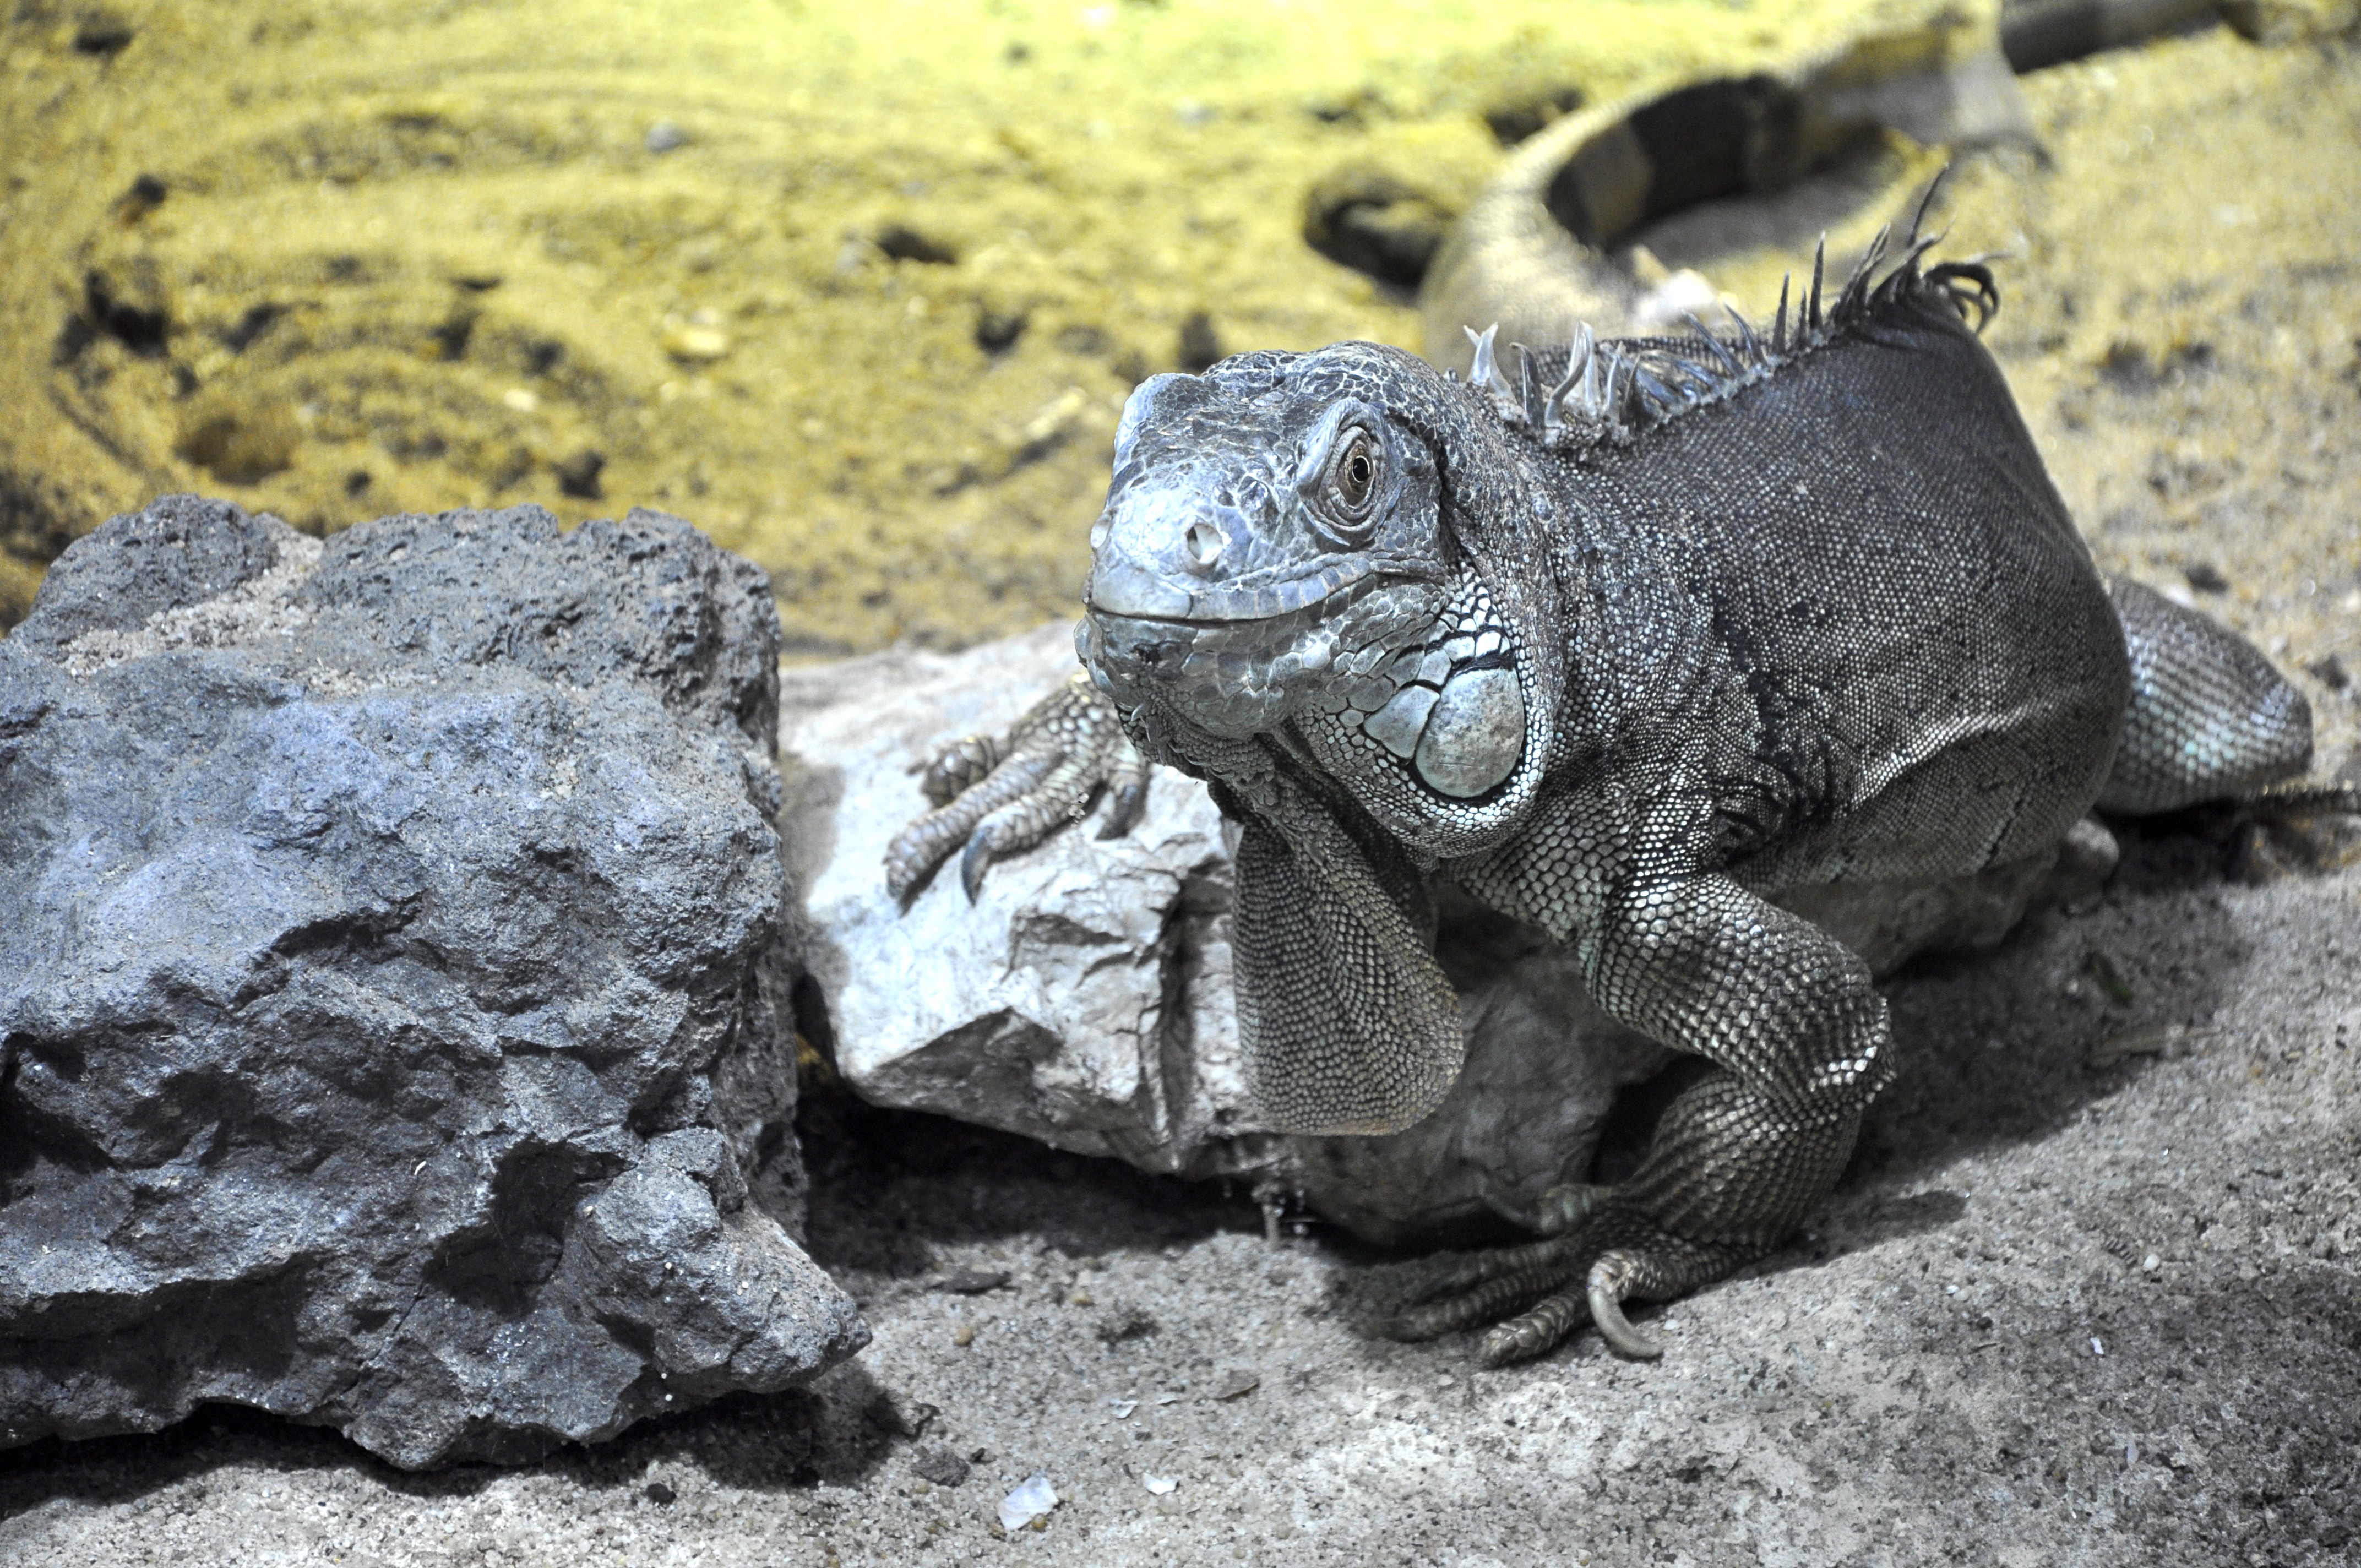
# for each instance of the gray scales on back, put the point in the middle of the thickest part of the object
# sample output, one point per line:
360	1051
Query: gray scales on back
1626	646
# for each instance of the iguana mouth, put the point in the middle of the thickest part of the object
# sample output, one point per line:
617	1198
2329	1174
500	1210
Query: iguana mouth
1123	588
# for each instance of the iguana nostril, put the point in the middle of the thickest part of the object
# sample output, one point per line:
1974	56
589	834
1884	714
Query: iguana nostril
1206	542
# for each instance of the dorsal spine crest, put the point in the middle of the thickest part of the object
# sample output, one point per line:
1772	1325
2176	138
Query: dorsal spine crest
1608	391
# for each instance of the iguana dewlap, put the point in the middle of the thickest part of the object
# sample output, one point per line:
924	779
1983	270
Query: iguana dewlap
1627	648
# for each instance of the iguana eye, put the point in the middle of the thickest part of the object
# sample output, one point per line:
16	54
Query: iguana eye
1353	475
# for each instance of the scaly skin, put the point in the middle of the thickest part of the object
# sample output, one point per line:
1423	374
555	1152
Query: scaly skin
1662	630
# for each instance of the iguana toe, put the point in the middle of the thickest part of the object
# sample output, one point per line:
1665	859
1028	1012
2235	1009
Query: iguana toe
995	797
1612	1252
1540	1327
1488	1285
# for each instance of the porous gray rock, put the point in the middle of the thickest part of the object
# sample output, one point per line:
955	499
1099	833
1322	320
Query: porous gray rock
1085	999
390	998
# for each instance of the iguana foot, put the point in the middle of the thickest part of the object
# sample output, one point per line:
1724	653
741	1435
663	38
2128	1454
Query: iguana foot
1610	1253
999	796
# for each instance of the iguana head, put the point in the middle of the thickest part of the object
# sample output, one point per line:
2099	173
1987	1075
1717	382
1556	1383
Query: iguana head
1317	576
1291	549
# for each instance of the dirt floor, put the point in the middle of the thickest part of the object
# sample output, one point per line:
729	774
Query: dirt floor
2087	1296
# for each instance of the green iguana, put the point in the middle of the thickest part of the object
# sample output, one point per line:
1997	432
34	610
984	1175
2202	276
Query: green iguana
1626	644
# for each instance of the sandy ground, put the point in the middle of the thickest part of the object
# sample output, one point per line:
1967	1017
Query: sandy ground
2064	1310
2084	1296
859	285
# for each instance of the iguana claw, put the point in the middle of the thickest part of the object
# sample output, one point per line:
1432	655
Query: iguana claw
1608	1252
1606	1312
994	797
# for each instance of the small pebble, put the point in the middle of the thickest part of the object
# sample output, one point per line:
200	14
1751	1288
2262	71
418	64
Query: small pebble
697	345
1237	1383
964	1335
1200	344
660	1492
939	1466
579	476
974	1282
664	135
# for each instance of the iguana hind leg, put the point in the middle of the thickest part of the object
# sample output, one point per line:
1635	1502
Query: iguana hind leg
1798	1034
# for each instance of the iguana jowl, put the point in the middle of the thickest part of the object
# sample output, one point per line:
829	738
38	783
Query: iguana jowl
1626	649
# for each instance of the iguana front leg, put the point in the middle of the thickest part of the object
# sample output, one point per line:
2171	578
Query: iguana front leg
1799	1040
998	796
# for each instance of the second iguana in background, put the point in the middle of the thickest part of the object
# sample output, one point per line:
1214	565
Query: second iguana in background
1627	645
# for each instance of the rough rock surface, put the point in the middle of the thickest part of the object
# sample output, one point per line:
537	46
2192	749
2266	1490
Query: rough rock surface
1085	999
388	992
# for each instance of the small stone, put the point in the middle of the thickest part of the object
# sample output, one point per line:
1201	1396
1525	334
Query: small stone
903	243
996	331
2205	577
660	1492
697	345
1237	1383
579	476
236	442
964	1335
974	1282
664	135
1200	346
939	1466
103	34
1128	1323
1161	1486
1080	1298
2331	673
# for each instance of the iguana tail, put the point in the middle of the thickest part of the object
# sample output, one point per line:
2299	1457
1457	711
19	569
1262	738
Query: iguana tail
2210	718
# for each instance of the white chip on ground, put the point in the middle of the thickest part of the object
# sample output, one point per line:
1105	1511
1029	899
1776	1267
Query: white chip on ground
1161	1484
2096	1348
1123	1407
1167	1398
1030	1501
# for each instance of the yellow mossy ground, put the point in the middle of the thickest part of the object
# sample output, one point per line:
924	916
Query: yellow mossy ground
340	259
390	257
